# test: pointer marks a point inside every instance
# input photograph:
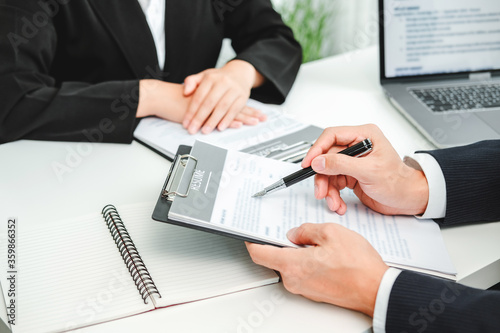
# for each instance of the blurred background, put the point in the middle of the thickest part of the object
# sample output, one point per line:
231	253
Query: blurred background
326	27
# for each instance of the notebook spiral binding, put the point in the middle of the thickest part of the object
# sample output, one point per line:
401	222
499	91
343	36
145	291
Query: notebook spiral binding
129	253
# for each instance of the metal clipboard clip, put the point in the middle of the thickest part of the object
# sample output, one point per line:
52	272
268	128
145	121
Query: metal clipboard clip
179	177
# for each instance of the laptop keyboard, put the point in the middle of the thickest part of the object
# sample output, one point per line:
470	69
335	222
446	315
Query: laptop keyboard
460	98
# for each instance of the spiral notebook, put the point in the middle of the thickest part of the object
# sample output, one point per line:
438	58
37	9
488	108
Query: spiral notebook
84	271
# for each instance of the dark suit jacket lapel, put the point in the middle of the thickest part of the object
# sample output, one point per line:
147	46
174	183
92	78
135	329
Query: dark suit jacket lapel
182	21
127	23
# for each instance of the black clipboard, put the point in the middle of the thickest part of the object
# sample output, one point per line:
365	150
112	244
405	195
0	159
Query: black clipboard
180	169
165	200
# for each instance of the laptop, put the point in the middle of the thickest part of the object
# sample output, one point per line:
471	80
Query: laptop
440	66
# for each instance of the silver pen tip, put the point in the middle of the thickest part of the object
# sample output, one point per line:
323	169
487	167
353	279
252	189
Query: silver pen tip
259	194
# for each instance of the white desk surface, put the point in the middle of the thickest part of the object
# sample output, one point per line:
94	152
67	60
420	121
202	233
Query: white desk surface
341	90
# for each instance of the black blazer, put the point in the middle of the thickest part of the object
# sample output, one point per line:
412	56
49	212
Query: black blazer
472	176
421	303
69	69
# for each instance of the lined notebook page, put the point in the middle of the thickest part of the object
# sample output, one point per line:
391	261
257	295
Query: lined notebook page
189	265
72	275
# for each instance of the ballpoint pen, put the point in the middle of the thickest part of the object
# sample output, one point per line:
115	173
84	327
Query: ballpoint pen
357	150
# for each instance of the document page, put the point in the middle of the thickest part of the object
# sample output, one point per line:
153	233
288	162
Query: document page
165	136
400	240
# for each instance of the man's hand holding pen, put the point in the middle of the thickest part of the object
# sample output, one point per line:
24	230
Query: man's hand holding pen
358	149
381	180
339	266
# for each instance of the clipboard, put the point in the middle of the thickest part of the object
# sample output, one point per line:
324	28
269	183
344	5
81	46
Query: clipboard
177	184
171	186
236	175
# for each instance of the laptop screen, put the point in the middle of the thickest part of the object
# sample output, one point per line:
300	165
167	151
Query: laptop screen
427	37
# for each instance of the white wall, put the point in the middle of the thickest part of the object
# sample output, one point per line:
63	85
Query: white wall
353	26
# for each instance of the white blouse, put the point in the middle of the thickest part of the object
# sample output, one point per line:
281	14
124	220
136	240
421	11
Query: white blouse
155	16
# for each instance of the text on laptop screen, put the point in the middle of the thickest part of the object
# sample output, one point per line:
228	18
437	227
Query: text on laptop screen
439	36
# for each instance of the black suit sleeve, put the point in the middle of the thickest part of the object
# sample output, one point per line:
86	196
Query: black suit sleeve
421	303
34	106
472	176
260	37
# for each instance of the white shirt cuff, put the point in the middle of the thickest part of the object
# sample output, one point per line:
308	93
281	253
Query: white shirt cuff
382	301
436	207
